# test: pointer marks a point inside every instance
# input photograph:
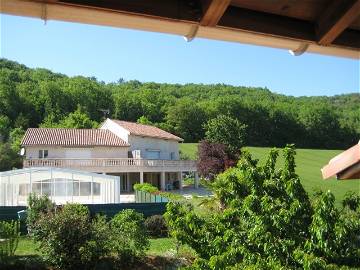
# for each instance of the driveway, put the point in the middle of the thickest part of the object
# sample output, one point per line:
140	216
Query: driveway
189	191
127	198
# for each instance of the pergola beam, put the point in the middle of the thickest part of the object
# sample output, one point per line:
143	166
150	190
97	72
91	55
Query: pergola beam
336	18
214	12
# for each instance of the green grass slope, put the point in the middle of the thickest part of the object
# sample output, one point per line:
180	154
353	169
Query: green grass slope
308	162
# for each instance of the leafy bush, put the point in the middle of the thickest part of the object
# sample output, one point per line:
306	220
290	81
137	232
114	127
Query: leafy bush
266	221
156	226
37	205
146	187
189	180
129	239
184	156
351	200
172	196
69	239
9	238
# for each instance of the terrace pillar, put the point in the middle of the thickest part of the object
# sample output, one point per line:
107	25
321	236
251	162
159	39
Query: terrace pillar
141	177
128	182
162	181
180	180
196	180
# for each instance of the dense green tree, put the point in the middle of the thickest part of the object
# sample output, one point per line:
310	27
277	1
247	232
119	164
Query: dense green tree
321	124
4	127
15	138
265	220
127	106
76	119
186	118
144	120
228	131
8	157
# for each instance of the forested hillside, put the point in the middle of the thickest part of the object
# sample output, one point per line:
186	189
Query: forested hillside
39	97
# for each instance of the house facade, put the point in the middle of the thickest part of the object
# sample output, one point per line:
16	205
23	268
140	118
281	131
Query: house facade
136	153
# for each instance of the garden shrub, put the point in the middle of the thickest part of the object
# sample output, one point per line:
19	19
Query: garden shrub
69	239
37	205
156	226
351	200
9	238
129	239
171	196
146	187
267	221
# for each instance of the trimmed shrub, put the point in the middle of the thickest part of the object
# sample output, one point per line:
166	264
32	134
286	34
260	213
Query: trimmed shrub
146	187
70	240
156	226
129	239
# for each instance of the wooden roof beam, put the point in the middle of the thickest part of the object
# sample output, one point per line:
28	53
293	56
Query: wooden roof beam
214	11
336	18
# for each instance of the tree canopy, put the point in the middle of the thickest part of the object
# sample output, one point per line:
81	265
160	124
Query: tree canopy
39	97
265	220
228	131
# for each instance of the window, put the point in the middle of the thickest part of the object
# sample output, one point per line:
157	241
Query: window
172	155
152	154
43	153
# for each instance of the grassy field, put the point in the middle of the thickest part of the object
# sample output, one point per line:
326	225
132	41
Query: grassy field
158	247
162	254
308	161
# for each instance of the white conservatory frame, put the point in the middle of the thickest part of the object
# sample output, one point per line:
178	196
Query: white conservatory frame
61	185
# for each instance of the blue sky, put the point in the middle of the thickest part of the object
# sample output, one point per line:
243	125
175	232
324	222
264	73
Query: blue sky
111	53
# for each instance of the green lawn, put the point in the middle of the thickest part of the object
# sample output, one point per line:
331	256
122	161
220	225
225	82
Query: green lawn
26	247
158	247
309	162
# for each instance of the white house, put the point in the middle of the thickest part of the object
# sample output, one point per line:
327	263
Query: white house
134	152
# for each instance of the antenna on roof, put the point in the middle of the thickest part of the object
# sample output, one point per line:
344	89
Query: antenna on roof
106	112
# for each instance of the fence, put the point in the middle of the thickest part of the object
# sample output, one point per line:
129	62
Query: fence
8	213
146	197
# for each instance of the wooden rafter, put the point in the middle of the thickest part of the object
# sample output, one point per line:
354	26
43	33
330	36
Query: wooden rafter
237	24
336	18
214	12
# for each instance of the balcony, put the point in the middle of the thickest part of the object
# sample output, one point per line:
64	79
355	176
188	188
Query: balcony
114	165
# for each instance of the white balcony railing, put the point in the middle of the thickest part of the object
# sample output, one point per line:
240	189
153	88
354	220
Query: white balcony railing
106	163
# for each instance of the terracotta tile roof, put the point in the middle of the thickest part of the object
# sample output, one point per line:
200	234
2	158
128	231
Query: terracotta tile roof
147	131
349	159
71	137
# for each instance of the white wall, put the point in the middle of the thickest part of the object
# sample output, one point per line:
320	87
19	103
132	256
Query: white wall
116	129
144	143
95	152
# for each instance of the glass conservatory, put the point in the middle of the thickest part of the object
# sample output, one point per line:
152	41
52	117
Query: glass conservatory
61	185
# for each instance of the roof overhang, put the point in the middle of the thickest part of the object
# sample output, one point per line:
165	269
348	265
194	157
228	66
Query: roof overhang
331	34
345	165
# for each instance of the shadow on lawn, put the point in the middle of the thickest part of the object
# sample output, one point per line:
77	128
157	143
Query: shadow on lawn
28	262
35	262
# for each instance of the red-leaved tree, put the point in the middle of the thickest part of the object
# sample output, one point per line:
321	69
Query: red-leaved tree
213	159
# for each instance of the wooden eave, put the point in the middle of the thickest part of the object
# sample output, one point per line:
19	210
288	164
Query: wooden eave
346	165
321	26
